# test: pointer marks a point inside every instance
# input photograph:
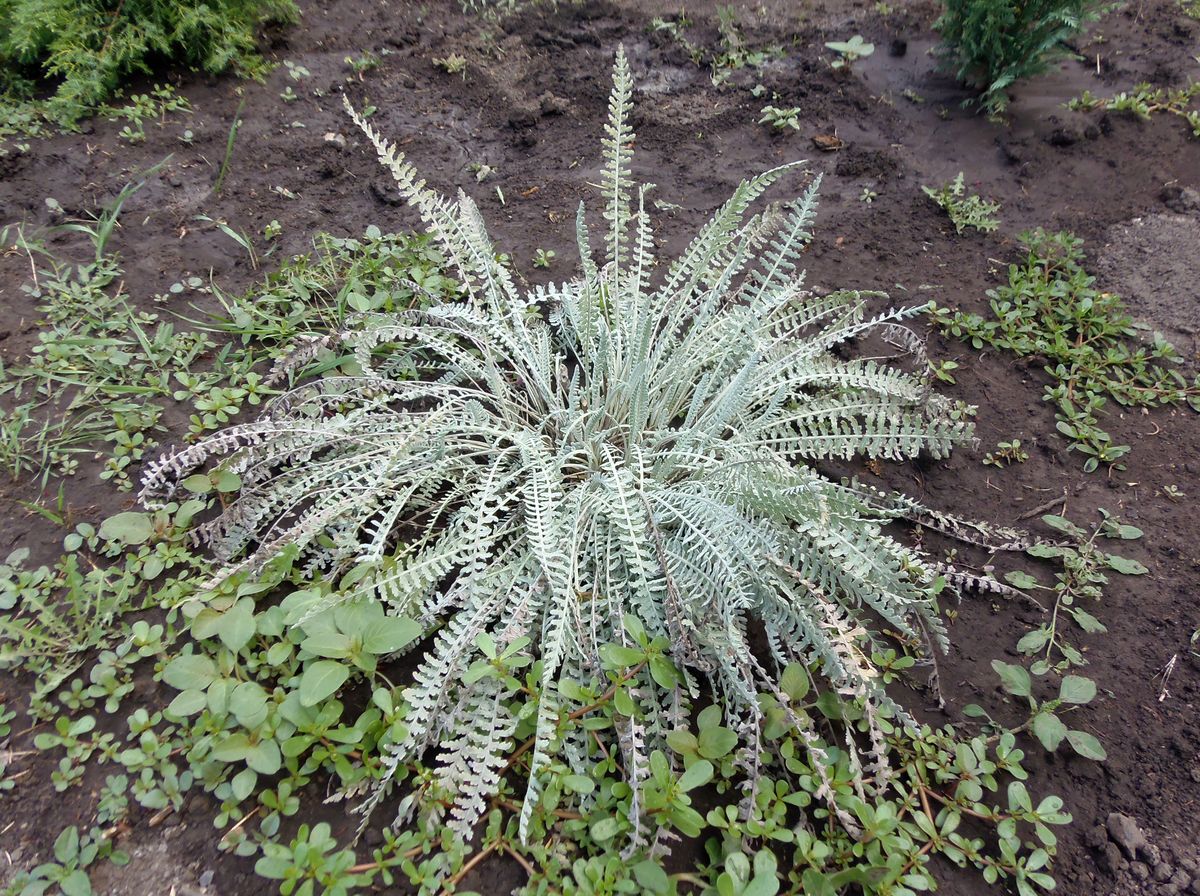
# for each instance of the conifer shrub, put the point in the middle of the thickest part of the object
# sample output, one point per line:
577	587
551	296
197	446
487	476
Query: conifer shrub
991	44
85	48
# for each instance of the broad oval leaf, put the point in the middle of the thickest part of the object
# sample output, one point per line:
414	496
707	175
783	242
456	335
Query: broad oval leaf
1014	678
1077	689
321	679
192	670
129	528
1049	729
390	634
1086	745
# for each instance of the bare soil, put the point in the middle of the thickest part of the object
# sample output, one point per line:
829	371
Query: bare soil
530	106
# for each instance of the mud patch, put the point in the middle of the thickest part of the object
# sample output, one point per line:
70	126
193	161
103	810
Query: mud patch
1140	260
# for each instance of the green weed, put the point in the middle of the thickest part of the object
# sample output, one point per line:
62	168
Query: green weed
781	119
143	107
849	51
74	853
1050	308
1145	101
732	52
965	210
1006	453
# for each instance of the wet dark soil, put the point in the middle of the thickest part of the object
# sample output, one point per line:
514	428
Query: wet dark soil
529	105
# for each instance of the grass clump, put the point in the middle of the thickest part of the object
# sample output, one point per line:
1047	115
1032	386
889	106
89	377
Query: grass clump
104	369
85	48
991	44
1051	308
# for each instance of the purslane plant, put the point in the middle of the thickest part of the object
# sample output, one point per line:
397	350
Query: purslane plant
626	455
1051	308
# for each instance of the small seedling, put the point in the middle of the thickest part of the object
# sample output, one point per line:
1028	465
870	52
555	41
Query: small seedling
965	210
867	195
781	119
452	64
362	64
1006	453
675	27
230	140
849	51
944	370
735	53
296	72
143	107
542	258
481	171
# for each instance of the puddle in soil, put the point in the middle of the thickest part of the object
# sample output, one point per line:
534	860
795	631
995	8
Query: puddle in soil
1037	107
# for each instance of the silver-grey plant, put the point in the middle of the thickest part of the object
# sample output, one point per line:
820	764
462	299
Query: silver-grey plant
637	442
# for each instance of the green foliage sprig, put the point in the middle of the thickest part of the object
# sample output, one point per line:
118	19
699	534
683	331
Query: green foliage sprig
1145	101
781	118
1051	308
849	51
87	47
965	210
74	853
1006	453
1085	568
991	44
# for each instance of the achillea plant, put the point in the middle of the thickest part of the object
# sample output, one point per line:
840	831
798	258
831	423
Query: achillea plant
626	454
